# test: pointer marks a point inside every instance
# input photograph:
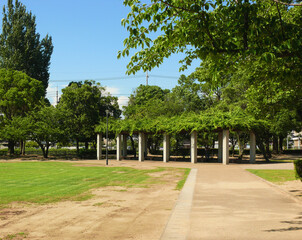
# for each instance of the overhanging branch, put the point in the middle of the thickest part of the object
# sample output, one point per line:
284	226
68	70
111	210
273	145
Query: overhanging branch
288	4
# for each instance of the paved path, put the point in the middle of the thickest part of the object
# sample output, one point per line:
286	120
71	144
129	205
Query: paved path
179	223
230	203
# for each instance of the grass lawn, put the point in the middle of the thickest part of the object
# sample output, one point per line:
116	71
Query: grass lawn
276	176
44	182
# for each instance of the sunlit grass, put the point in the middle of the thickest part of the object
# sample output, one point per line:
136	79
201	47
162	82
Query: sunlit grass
276	176
44	182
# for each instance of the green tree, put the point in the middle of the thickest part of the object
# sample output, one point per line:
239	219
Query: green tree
20	45
86	103
19	94
233	30
145	101
15	130
47	127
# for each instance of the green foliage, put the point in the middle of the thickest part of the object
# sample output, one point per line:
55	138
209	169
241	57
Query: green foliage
18	128
19	93
208	120
250	72
85	103
145	101
31	145
47	127
233	29
298	169
20	45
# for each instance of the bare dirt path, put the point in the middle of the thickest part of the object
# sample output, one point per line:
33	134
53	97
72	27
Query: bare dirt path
113	213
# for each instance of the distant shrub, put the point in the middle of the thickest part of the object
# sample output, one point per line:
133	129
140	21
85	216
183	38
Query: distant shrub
32	144
298	168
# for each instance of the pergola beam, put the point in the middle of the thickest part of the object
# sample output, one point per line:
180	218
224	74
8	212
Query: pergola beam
99	141
194	147
166	145
225	147
252	147
119	147
141	147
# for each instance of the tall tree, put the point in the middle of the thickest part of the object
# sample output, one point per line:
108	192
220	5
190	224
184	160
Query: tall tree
20	45
86	103
145	101
234	30
48	126
19	94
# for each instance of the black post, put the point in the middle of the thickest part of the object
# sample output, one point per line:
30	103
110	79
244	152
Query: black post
107	137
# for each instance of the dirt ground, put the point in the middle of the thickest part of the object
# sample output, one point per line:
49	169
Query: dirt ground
113	213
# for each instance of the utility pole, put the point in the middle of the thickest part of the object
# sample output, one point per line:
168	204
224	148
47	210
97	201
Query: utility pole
57	96
147	77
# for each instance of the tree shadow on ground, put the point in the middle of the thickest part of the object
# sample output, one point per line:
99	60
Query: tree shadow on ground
291	228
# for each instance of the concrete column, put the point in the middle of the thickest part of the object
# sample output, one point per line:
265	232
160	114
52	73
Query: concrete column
119	147
225	147
99	146
141	147
166	153
124	145
194	147
220	147
252	147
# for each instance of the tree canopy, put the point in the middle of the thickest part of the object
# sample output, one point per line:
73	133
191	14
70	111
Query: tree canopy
20	45
201	29
250	55
86	103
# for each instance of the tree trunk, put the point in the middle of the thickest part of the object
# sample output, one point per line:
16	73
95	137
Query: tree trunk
267	150
24	147
46	151
77	146
133	147
281	144
275	144
11	147
86	145
263	150
43	149
21	147
241	146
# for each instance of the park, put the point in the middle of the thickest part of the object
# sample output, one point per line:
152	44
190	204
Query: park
212	153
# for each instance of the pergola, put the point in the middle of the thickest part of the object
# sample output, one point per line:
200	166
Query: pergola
193	124
223	146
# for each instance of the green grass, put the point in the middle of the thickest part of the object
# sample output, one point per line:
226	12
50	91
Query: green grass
13	236
181	183
44	182
275	176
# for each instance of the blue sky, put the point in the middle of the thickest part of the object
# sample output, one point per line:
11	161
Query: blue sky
87	36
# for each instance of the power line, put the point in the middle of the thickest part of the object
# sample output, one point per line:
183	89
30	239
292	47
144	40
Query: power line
147	77
100	79
119	78
161	76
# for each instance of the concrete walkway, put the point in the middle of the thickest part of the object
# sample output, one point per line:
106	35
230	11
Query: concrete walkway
231	203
